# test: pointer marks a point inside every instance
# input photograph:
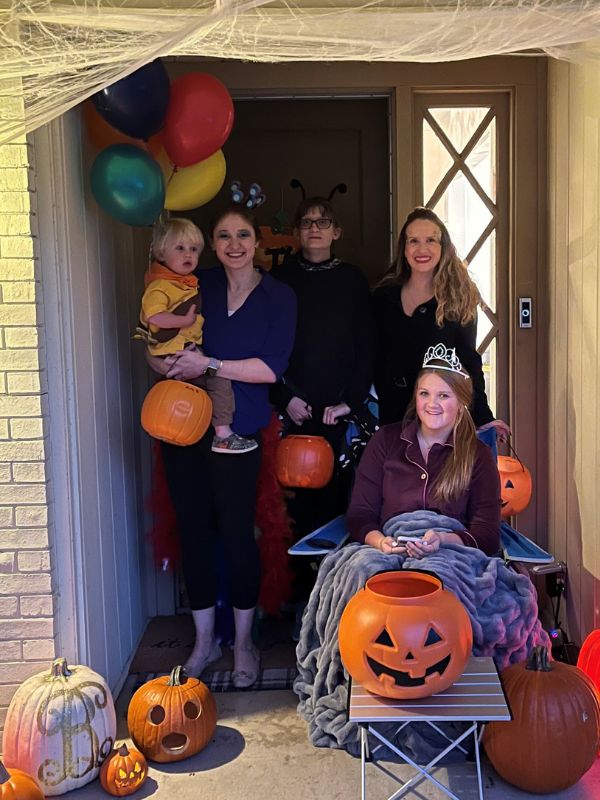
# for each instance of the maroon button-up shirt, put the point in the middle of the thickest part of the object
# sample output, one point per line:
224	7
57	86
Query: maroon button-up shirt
394	478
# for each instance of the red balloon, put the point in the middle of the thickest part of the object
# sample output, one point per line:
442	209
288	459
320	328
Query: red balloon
199	118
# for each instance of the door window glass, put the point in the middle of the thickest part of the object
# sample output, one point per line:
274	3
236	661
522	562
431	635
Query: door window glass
459	183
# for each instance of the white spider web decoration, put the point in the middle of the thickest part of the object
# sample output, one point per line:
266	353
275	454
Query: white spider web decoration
56	53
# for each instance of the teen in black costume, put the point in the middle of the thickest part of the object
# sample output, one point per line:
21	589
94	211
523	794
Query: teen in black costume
331	367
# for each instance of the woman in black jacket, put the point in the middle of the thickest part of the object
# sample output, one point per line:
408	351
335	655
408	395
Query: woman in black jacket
429	298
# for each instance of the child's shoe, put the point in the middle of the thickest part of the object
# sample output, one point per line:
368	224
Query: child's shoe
233	444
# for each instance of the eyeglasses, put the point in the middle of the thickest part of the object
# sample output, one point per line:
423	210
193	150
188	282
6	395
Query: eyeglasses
322	223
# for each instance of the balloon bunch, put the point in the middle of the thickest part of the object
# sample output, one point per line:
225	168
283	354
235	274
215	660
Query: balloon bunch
159	143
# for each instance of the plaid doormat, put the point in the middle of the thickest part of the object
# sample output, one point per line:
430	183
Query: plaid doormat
220	680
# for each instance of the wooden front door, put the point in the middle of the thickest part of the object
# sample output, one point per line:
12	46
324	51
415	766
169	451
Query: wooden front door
496	108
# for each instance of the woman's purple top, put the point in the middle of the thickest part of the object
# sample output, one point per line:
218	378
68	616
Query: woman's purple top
393	478
264	327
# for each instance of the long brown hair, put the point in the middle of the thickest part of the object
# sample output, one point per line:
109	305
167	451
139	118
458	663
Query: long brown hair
455	476
455	291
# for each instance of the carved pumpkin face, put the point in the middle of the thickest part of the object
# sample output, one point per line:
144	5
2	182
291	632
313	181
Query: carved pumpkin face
404	635
515	486
124	771
171	718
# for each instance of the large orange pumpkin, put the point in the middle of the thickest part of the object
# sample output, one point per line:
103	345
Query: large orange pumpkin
176	412
124	771
304	461
18	785
171	718
405	636
553	737
515	485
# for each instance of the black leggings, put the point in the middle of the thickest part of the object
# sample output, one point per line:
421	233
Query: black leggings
214	495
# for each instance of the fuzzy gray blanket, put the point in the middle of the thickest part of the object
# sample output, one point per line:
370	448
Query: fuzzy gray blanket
501	603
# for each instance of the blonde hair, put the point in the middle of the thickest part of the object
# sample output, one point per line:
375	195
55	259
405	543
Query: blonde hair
174	228
455	291
455	476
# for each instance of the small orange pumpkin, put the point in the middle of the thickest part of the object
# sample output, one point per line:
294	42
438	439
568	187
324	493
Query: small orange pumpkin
404	635
515	485
124	771
304	461
176	412
18	785
171	718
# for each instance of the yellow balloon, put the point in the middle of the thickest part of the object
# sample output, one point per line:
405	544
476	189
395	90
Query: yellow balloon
193	186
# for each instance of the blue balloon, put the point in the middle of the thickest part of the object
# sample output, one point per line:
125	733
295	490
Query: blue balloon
128	184
137	104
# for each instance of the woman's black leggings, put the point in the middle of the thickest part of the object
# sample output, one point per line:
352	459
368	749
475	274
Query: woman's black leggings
214	496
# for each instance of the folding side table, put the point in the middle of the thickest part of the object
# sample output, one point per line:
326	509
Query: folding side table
476	697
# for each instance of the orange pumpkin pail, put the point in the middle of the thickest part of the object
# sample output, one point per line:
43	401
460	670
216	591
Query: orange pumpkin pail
304	461
404	635
516	485
176	412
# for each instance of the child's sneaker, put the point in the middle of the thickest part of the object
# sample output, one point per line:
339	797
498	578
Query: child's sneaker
233	444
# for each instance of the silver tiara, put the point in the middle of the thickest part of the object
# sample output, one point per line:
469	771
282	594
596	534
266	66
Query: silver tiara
439	352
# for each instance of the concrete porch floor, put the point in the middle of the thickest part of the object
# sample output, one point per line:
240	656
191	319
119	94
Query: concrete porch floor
261	750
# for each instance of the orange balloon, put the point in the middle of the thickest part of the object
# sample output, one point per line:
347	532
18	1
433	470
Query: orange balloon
103	135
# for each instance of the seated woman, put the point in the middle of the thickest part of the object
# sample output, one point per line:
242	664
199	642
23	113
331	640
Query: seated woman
426	496
431	461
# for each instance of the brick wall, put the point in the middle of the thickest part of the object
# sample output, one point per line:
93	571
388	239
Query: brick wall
26	604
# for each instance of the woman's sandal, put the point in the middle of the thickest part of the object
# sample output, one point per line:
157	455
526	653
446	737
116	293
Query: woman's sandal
213	655
245	678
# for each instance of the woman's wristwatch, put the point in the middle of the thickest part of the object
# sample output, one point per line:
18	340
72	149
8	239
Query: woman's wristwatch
214	364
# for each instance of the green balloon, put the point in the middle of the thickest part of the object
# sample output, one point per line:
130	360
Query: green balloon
128	184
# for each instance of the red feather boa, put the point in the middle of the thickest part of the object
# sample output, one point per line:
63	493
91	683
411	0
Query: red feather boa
272	520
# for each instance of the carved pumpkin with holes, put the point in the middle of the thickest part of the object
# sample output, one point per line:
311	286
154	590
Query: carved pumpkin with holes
515	486
405	636
172	717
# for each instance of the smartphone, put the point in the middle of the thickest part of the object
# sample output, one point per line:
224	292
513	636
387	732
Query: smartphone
409	538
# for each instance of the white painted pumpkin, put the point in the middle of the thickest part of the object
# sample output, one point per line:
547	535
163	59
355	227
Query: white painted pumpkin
60	727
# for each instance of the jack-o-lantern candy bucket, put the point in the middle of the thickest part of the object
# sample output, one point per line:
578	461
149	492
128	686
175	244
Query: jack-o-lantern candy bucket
404	635
304	461
176	412
515	485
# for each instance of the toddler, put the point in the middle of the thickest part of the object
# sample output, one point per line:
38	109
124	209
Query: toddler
170	319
